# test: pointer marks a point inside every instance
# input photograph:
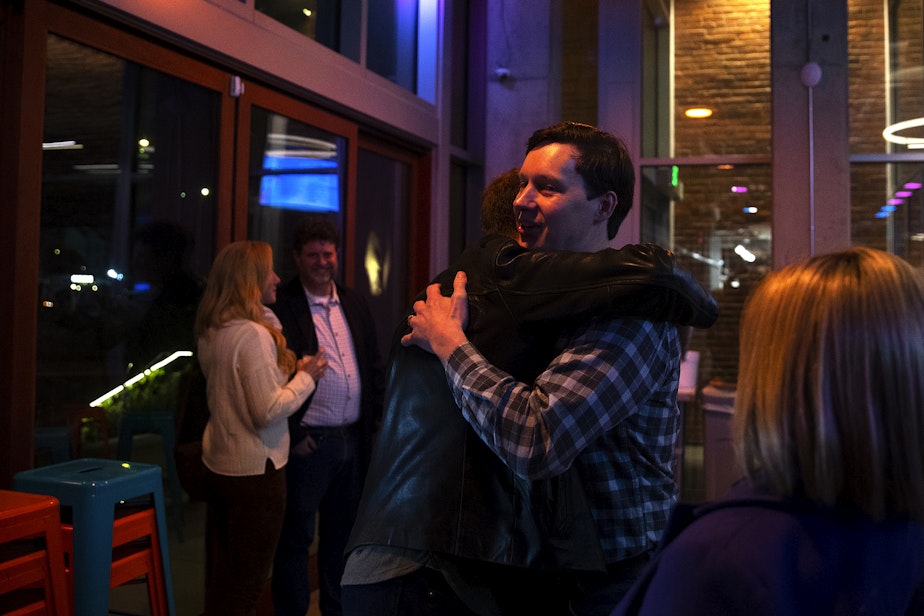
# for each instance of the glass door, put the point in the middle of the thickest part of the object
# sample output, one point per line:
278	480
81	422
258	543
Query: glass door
301	161
128	224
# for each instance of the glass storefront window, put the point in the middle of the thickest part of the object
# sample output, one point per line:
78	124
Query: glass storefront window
382	254
886	82
336	24
720	64
295	169
716	219
887	208
127	224
705	182
393	33
392	41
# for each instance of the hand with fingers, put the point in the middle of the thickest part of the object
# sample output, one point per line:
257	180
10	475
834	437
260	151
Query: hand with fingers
438	324
315	365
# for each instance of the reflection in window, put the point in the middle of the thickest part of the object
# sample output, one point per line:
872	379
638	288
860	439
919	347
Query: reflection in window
127	223
713	57
721	63
392	41
401	35
300	173
295	169
724	240
336	24
886	62
887	205
383	203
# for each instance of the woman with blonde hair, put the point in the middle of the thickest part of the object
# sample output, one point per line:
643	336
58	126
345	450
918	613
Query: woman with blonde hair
830	430
253	384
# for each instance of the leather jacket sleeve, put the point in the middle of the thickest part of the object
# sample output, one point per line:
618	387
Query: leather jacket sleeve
640	280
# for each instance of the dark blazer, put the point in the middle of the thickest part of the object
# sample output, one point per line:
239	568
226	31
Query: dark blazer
298	327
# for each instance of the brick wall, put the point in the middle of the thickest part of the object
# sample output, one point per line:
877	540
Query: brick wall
722	61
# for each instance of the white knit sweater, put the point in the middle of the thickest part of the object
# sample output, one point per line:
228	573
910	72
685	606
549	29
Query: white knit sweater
249	399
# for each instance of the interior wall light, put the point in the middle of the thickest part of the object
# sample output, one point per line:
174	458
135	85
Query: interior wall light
698	113
889	133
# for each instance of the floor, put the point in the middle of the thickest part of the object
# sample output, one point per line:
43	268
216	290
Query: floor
186	557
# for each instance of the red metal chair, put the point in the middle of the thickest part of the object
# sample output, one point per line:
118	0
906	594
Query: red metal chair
32	575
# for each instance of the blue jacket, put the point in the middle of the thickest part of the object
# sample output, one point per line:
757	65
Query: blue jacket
760	556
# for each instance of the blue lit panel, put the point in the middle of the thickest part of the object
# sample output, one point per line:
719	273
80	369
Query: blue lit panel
299	183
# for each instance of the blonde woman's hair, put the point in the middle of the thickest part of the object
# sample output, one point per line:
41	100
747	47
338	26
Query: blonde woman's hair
830	400
235	291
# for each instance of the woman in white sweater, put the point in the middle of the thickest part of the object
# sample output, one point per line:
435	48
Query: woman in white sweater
253	384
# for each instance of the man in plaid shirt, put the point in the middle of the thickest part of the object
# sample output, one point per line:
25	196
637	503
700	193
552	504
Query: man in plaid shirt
608	402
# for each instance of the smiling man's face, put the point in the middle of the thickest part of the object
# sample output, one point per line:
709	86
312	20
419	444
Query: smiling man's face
317	266
552	208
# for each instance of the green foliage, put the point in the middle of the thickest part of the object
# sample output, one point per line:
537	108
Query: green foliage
157	391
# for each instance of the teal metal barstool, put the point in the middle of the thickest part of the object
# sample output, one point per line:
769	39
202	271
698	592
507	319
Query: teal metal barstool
92	489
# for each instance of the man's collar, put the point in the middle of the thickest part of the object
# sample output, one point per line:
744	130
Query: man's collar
332	298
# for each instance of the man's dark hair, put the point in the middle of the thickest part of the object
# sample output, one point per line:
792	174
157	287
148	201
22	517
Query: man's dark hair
604	164
497	217
315	228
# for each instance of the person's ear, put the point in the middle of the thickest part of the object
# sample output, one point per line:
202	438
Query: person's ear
606	205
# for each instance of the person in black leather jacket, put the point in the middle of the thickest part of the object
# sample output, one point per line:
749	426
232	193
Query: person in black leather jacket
442	518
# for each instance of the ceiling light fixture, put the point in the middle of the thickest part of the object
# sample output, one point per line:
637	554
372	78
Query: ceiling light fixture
889	133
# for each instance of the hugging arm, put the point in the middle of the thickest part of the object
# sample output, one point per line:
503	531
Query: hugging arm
638	280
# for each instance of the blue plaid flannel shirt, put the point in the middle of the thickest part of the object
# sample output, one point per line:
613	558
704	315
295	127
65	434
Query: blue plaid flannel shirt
607	403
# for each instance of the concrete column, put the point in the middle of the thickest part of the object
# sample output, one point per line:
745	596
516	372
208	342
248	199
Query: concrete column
811	171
